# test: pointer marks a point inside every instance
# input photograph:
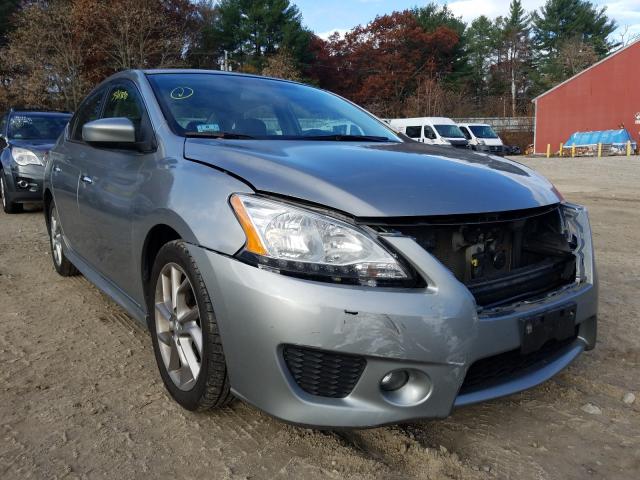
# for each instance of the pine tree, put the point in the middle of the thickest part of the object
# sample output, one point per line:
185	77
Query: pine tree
563	23
481	38
255	29
516	45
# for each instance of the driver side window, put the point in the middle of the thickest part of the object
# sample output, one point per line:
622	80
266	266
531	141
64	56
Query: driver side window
429	133
123	101
88	112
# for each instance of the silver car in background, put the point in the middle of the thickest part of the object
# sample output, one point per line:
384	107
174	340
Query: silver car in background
287	248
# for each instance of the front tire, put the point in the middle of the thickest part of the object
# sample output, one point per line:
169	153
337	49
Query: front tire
184	331
60	262
8	205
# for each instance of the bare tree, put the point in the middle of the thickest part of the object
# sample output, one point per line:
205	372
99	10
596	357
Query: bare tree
46	55
626	37
140	34
575	55
282	65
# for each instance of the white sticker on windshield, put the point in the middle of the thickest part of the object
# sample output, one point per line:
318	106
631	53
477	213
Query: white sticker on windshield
209	127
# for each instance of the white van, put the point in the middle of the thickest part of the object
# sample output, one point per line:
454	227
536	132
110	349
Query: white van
482	138
432	130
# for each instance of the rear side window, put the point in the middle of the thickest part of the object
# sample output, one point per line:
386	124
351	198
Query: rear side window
414	132
88	112
124	101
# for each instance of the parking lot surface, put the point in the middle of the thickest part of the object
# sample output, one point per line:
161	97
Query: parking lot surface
81	397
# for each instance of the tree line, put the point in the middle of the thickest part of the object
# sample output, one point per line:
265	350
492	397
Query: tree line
423	61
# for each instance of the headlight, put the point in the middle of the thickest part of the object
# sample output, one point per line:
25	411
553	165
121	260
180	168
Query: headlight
298	242
23	157
481	142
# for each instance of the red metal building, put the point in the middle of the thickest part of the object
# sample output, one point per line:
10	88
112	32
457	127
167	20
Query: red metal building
602	97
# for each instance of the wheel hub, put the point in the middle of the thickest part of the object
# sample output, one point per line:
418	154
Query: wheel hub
178	326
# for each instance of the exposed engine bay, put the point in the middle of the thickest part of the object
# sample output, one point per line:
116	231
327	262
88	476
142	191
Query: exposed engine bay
501	257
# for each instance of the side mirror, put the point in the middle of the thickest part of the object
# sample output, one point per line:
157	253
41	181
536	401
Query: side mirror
110	131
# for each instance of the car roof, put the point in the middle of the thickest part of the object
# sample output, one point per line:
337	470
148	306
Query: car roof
137	74
430	120
191	71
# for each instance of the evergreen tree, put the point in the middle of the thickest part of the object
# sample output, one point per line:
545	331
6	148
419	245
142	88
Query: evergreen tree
562	23
516	51
251	30
482	38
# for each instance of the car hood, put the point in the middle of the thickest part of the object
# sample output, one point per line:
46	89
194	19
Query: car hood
379	179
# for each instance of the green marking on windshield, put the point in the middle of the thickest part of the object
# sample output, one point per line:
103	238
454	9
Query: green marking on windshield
120	95
181	93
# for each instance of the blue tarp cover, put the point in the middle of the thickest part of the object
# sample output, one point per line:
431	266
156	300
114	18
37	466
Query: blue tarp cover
606	137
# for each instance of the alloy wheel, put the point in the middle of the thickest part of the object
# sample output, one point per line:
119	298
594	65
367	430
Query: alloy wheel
56	237
178	326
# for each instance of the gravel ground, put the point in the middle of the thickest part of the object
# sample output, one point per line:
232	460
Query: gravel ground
80	395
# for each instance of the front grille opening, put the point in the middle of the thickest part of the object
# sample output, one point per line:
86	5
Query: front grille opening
501	258
323	373
498	369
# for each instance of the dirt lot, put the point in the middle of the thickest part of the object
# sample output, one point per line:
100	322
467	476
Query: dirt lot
80	395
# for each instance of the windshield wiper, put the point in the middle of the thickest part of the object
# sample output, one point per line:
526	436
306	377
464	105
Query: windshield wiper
227	135
345	138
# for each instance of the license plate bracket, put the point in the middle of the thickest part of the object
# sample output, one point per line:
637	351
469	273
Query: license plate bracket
555	324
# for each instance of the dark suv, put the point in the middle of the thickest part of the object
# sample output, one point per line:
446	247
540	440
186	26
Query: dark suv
25	137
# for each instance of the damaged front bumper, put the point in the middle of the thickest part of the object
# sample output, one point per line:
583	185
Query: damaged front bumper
436	334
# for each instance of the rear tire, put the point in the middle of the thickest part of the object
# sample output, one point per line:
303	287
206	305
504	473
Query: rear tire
8	205
60	262
184	331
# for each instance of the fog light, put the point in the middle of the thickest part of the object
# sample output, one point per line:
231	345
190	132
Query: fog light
394	380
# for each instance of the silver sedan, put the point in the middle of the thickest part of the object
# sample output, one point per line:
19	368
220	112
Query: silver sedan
287	248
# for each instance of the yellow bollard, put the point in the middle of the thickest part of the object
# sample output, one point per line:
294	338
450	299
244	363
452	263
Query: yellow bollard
573	151
548	150
628	148
599	150
561	149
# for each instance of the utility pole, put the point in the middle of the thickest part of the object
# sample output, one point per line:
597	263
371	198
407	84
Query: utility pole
225	66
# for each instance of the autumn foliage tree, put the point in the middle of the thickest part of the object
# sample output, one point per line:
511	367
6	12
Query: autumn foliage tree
43	63
379	65
59	49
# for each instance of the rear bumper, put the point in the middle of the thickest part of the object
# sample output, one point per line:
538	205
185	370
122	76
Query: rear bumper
435	331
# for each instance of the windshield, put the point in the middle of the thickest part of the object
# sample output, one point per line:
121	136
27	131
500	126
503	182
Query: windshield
259	108
483	131
30	126
449	131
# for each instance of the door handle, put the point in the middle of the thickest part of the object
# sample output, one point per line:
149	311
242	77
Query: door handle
86	179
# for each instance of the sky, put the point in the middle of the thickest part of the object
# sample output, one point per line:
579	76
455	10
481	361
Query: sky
326	16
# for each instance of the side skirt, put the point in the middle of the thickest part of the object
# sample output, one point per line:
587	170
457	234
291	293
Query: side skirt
107	286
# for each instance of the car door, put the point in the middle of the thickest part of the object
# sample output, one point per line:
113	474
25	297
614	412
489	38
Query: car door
429	134
65	169
110	178
467	134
